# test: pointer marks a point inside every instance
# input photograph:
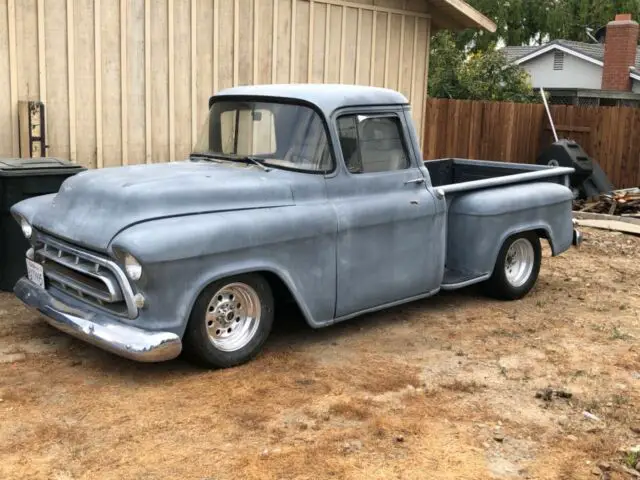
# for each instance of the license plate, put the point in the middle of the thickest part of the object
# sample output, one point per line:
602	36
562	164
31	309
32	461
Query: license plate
35	272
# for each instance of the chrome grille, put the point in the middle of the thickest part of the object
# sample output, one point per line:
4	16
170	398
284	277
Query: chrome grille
87	276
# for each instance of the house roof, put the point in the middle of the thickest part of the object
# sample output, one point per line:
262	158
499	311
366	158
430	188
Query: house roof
593	52
514	53
458	15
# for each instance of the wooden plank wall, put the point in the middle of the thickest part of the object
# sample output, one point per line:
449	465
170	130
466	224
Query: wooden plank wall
128	81
512	132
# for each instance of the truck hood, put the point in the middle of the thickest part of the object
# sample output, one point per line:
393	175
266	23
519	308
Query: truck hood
92	207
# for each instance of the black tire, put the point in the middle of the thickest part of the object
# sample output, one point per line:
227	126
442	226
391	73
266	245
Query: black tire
198	345
499	286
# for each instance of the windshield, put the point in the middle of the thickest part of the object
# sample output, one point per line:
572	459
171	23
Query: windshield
276	134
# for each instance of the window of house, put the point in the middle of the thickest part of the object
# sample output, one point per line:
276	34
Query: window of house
588	102
609	102
558	60
372	143
562	100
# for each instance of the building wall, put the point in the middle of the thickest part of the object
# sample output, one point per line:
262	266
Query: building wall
128	81
576	73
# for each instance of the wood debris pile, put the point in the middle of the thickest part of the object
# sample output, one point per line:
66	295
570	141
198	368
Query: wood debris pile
624	203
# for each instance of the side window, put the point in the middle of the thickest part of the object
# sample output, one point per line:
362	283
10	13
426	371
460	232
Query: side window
372	143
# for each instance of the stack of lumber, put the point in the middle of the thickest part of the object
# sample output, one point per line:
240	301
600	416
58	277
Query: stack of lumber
625	203
618	211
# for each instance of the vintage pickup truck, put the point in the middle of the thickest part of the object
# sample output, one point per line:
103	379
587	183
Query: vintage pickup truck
315	194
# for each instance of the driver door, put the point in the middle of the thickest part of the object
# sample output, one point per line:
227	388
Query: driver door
387	219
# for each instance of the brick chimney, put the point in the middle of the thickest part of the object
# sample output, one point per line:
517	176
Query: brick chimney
620	48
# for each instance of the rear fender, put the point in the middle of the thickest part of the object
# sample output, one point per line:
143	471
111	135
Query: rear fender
481	221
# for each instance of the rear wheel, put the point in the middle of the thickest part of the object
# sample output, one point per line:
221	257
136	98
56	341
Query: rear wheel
517	267
230	321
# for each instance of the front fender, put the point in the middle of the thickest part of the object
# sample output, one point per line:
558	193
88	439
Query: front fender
28	208
182	255
257	266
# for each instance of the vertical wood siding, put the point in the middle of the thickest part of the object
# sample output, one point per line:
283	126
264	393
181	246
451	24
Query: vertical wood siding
128	81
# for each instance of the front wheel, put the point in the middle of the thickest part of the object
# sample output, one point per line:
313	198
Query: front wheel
230	321
517	267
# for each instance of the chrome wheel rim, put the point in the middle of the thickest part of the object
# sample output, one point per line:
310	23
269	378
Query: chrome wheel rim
519	262
233	316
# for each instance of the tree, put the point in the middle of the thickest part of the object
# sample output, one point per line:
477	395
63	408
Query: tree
445	60
477	76
518	22
571	18
526	22
466	65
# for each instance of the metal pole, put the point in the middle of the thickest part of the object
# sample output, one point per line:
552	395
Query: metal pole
546	106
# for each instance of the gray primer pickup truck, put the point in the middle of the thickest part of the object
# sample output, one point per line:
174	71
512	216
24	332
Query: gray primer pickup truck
315	194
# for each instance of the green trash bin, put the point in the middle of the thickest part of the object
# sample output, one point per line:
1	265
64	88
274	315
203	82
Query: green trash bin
22	178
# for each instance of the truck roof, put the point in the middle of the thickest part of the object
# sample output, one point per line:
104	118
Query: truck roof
327	97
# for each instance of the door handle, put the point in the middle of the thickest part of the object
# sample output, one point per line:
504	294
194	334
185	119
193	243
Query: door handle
415	181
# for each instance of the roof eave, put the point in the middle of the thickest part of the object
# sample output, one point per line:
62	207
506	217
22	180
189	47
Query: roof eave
562	48
462	15
570	51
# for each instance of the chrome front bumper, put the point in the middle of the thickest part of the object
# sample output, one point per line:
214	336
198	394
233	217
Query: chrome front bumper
100	329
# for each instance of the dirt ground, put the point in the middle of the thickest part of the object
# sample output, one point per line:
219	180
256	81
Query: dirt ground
443	388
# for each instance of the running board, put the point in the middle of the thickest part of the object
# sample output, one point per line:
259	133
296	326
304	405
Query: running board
454	279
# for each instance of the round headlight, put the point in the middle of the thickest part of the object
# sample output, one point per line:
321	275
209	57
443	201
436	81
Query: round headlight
132	267
27	230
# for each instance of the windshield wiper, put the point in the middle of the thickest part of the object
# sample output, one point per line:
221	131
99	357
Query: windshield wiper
207	156
256	161
231	157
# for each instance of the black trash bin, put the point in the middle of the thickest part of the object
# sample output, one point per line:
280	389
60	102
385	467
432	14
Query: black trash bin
567	153
22	178
588	180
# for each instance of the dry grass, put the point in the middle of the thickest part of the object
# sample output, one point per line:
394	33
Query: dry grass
351	410
380	374
416	392
250	420
463	386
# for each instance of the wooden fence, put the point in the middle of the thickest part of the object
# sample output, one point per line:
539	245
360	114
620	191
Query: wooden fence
513	132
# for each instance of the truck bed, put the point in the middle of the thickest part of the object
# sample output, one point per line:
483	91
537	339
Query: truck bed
457	174
488	200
